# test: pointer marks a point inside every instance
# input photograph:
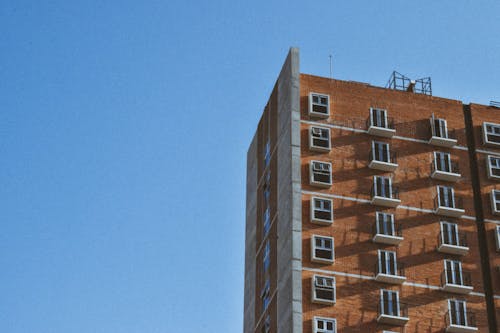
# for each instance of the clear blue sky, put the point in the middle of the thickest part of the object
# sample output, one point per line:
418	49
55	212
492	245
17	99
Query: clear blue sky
124	127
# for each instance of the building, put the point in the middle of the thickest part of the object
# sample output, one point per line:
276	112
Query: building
371	209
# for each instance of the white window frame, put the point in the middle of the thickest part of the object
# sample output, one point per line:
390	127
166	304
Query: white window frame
312	130
377	193
440	153
398	307
456	301
314	219
441	204
490	166
494	202
442	124
390	221
386	264
322	247
266	294
455	226
312	104
332	321
372	120
497	237
453	264
381	144
312	172
314	298
486	141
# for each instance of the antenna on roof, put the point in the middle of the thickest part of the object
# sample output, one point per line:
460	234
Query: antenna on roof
331	73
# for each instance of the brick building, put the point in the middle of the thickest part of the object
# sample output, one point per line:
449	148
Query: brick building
371	210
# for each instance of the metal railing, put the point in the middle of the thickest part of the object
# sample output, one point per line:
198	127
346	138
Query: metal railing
457	203
392	158
389	124
400	270
394	192
461	240
462	319
453	167
461	278
391	309
398	230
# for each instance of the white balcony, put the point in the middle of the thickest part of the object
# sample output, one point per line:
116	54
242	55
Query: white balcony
385	201
383	166
381	131
453	249
387	239
442	142
452	328
392	320
449	211
457	288
446	176
389	278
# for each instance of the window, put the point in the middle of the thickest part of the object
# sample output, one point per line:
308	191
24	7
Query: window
378	118
319	138
495	201
385	224
267	325
267	255
439	127
446	196
266	295
493	166
389	303
380	152
322	249
449	233
267	221
382	186
319	105
453	272
497	237
491	133
457	311
387	262
321	173
321	210
267	155
442	162
323	289
324	325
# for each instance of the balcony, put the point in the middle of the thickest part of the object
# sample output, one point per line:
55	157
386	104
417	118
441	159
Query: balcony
451	210
387	132
384	199
384	237
458	247
461	285
392	314
465	324
397	277
390	165
450	176
443	140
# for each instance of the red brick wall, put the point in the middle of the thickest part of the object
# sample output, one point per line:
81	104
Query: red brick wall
355	253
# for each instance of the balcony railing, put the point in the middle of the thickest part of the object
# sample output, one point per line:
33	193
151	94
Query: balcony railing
461	285
460	247
460	322
387	198
451	175
389	165
448	140
392	313
384	237
387	131
454	208
395	277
